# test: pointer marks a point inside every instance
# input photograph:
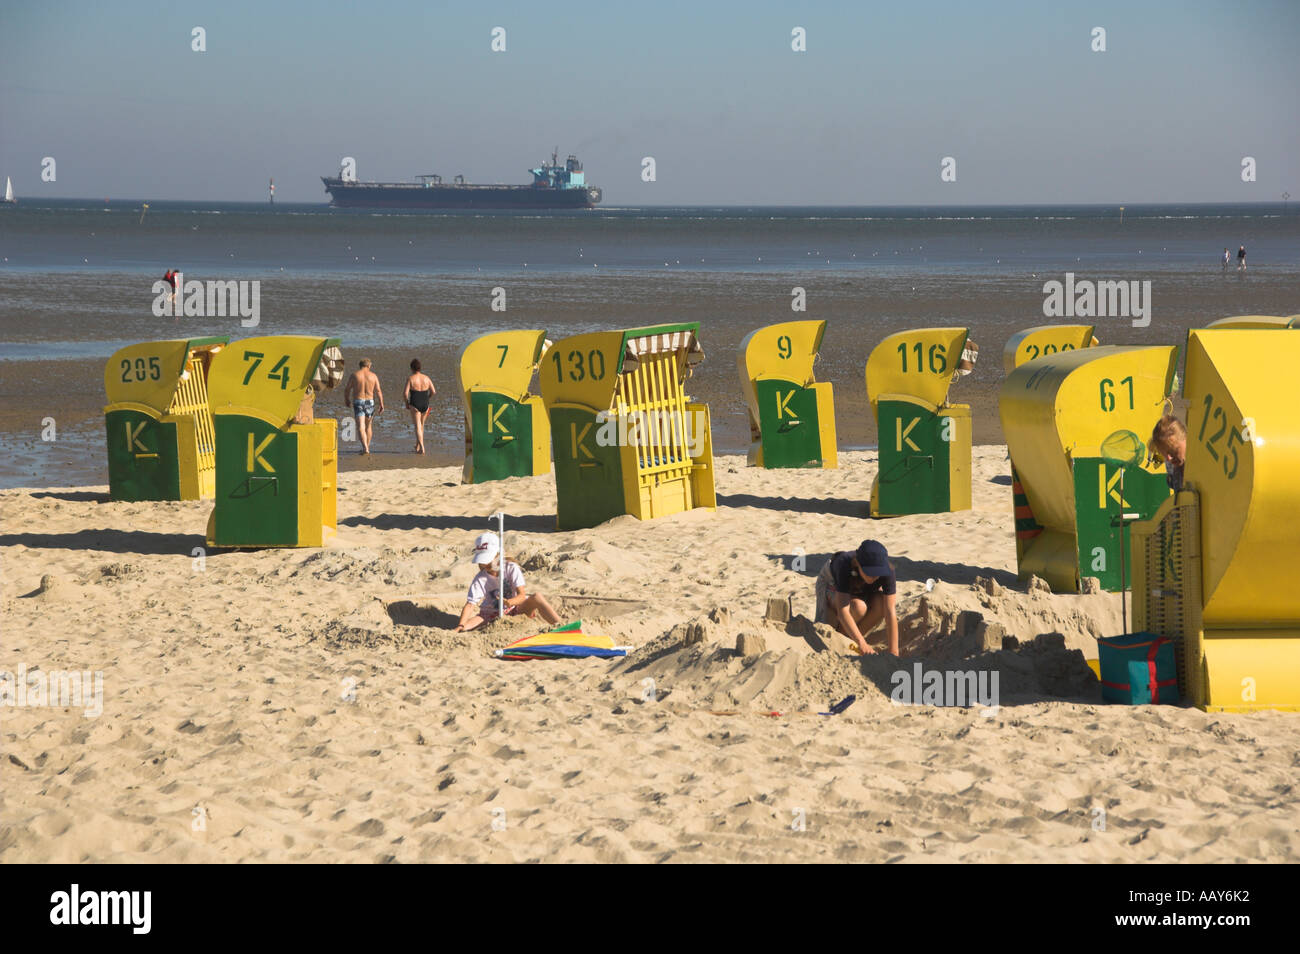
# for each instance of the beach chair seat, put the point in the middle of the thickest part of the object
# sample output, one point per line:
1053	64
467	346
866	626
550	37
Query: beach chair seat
924	440
276	462
1057	411
626	438
158	422
1214	566
791	414
507	432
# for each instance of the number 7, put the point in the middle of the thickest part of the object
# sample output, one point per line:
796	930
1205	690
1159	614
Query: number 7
258	355
505	349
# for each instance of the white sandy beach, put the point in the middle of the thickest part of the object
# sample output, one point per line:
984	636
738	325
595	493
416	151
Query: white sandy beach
313	705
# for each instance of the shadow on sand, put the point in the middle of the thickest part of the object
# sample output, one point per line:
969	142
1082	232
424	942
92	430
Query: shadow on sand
828	505
532	523
143	542
73	496
911	570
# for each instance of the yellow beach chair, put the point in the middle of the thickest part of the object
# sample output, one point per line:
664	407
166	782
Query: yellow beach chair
158	423
277	465
507	433
1057	412
925	442
626	437
1215	565
791	414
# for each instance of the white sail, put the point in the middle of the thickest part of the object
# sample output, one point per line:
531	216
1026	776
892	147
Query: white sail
9	189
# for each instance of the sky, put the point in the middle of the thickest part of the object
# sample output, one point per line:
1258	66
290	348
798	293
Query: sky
713	92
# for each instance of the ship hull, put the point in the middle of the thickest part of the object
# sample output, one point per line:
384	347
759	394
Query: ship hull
375	195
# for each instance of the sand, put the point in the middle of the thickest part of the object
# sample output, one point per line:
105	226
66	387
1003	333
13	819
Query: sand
313	705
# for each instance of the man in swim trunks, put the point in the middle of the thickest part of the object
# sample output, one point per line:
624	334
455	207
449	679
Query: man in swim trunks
363	393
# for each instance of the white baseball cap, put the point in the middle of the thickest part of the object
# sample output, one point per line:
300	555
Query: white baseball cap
486	548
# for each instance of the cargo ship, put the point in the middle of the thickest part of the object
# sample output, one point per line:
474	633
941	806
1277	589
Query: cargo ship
554	186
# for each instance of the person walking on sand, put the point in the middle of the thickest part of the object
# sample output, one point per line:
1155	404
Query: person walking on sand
170	278
419	391
367	399
494	571
1241	259
1226	258
856	592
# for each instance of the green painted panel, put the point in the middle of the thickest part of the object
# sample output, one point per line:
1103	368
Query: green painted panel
142	457
914	460
1098	506
588	477
787	415
256	505
502	434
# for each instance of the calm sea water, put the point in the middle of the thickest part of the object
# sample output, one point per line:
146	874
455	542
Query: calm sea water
76	275
234	239
76	284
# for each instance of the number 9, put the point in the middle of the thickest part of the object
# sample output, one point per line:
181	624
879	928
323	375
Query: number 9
783	347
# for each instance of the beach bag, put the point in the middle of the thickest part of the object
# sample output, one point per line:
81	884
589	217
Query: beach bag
1138	669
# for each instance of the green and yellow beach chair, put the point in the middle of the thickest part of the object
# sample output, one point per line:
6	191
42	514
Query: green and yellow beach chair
791	414
158	423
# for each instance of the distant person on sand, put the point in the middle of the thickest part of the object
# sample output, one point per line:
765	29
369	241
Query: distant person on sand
493	568
419	391
364	393
1169	443
856	592
170	279
1241	259
1226	258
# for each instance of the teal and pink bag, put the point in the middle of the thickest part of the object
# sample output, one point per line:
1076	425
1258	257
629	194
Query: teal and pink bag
1138	669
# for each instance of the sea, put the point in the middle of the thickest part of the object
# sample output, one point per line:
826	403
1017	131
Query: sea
77	280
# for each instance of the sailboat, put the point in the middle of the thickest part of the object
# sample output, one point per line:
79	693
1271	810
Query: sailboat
9	192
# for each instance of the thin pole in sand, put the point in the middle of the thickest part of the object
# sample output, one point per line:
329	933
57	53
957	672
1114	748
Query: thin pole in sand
500	518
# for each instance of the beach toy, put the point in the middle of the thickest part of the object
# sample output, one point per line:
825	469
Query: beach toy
507	433
1041	341
791	415
840	706
562	642
158	423
1215	566
1137	669
627	439
277	464
925	442
1056	413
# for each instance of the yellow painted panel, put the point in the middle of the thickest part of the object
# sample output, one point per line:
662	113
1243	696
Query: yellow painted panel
270	374
583	370
1044	340
1252	321
503	361
146	373
826	425
920	362
1243	457
1247	670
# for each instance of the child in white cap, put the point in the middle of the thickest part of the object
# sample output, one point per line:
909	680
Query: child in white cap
493	569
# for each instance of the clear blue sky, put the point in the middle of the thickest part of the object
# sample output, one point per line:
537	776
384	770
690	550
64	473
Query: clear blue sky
713	91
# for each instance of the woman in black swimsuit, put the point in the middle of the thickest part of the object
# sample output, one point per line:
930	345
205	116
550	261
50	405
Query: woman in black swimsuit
419	391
